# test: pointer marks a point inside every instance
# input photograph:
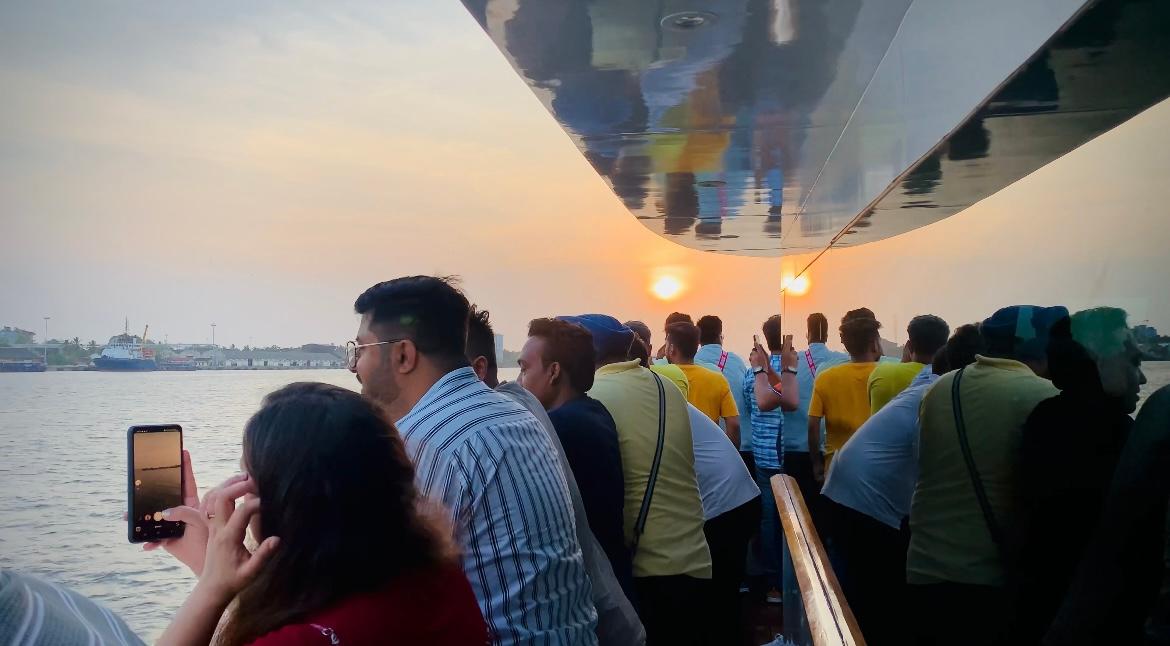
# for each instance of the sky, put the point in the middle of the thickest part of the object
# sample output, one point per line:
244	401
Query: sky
258	165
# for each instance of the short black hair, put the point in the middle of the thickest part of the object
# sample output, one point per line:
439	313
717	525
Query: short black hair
927	333
640	353
961	348
818	328
677	317
570	345
639	328
859	331
772	334
859	313
481	339
685	337
429	310
710	329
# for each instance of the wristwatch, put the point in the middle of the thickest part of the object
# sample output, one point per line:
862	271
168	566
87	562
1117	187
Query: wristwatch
757	370
788	370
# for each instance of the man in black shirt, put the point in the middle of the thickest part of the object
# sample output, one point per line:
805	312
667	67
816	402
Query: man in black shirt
556	366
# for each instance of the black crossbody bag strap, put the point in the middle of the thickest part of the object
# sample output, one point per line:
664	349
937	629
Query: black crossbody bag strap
976	482
644	511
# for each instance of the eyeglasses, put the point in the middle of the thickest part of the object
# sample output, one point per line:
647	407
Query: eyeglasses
352	350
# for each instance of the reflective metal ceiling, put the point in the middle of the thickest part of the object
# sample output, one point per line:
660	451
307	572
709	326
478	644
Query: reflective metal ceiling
756	127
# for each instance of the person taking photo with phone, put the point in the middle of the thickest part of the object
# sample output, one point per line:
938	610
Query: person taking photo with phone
349	552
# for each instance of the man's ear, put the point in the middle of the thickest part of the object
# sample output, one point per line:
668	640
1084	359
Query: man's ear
480	366
554	373
408	356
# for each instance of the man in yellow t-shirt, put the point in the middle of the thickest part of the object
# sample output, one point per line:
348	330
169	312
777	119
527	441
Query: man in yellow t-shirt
708	390
926	333
841	394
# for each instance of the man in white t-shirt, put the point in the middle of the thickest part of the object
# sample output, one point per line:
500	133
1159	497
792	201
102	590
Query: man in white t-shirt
731	511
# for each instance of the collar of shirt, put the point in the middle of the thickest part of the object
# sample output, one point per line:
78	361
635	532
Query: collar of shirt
620	366
1001	364
923	376
448	381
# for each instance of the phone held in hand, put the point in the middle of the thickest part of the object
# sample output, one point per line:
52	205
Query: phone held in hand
155	481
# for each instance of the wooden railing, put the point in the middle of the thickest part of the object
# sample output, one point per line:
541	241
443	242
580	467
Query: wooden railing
830	622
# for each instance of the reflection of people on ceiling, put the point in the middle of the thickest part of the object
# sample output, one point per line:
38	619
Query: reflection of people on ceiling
687	58
709	113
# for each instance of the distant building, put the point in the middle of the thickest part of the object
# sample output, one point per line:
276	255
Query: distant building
15	335
499	347
890	349
279	359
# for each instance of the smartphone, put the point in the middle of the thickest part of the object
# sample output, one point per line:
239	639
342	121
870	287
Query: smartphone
787	342
755	341
155	481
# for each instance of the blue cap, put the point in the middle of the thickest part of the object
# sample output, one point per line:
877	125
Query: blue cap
1022	331
610	336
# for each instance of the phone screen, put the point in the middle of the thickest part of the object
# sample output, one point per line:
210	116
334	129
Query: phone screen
156	481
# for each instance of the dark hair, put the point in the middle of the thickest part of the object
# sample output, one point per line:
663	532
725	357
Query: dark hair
939	364
641	353
772	335
481	340
678	317
818	328
570	345
858	331
710	330
961	348
927	333
430	310
639	328
859	313
685	337
322	456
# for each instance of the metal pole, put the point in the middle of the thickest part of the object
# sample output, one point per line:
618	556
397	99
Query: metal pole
45	342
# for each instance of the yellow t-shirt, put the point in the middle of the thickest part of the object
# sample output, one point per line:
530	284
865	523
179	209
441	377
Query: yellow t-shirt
674	375
888	379
841	396
709	392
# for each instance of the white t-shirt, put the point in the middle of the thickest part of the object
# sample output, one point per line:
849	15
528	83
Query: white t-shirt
876	471
724	481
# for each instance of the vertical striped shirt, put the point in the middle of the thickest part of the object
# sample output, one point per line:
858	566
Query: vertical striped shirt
766	427
491	463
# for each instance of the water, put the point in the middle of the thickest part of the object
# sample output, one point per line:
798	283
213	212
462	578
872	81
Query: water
63	471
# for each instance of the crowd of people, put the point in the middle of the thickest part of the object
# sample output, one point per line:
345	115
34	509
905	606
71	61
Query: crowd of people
991	486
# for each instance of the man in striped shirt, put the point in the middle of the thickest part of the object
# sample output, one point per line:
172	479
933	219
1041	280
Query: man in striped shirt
482	455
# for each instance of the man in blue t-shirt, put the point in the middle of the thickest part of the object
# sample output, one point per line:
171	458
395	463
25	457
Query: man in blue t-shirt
557	367
712	355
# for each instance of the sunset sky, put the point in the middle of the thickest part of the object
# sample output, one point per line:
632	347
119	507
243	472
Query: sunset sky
188	163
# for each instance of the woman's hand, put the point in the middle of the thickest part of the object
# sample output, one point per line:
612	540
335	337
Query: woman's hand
190	547
228	565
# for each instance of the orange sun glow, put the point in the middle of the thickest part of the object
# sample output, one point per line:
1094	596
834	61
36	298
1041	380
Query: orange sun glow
667	287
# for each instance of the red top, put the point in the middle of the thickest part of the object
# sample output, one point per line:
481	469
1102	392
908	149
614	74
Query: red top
429	607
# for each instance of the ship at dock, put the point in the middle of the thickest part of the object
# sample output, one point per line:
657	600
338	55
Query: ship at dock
126	353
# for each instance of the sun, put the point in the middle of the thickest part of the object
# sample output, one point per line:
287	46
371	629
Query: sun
667	287
796	286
